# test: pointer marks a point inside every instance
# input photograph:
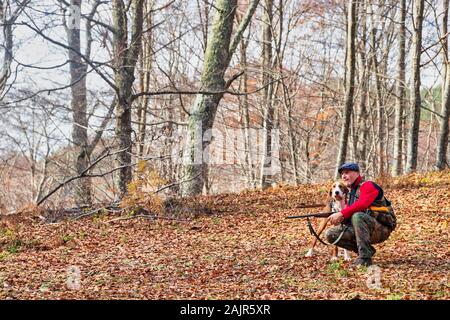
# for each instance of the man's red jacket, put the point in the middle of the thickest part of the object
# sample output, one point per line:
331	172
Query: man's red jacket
368	194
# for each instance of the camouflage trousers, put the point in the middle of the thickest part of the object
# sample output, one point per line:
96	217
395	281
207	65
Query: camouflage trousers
359	236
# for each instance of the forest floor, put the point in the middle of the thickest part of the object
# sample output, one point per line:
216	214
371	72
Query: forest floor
244	249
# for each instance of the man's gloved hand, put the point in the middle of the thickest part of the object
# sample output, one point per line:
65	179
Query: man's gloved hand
336	218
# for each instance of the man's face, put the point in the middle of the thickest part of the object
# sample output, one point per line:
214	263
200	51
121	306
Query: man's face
349	176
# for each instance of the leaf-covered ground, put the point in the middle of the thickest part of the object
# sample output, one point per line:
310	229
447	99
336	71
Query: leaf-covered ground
245	249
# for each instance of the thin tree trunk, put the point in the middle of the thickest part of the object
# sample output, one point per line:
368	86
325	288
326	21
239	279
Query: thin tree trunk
413	136
5	71
430	132
266	177
287	102
145	63
442	161
400	93
246	118
126	56
362	128
8	18
78	104
350	83
378	99
78	69
292	141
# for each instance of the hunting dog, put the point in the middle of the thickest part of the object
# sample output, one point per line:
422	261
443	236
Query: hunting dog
336	201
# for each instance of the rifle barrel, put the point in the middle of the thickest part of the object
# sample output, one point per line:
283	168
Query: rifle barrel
316	215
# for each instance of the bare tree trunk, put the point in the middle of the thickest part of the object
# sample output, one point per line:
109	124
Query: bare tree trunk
246	118
292	145
430	133
404	144
145	64
388	110
413	136
266	177
378	98
350	82
400	93
218	54
442	161
125	56
8	46
362	130
78	69
203	113
7	20
292	141
78	104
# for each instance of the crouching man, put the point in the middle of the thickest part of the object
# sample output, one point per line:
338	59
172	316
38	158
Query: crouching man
367	219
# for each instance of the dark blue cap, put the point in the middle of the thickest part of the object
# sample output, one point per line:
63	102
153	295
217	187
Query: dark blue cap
348	166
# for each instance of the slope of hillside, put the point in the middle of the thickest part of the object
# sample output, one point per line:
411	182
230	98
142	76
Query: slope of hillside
244	249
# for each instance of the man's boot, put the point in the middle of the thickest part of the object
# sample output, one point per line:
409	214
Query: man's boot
366	262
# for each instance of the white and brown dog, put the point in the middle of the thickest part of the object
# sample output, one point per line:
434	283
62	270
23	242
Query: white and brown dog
336	201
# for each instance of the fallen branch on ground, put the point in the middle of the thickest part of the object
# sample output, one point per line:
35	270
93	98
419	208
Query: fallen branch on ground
146	217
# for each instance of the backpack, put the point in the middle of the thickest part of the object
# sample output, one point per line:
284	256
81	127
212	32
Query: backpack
381	209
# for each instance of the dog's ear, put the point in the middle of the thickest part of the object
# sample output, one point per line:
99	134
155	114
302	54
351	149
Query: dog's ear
345	189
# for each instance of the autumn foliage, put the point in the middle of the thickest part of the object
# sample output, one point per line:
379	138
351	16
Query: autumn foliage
142	191
243	248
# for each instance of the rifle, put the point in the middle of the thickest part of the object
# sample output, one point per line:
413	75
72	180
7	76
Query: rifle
327	214
310	215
